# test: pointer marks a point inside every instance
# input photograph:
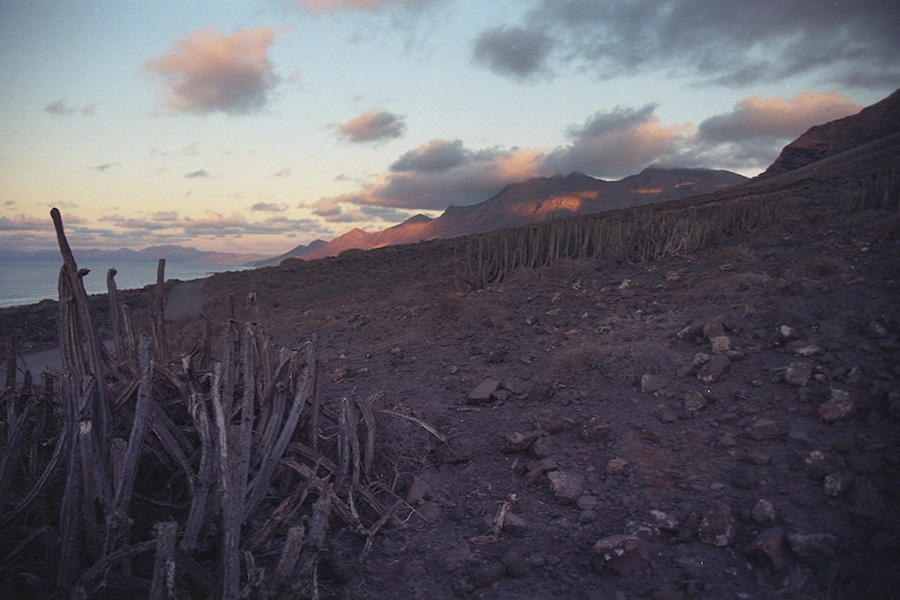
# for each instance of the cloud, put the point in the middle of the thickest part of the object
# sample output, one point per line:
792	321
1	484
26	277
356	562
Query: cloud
616	143
438	174
370	5
207	71
513	51
372	126
199	173
23	223
62	109
104	167
285	172
269	207
731	42
756	117
170	224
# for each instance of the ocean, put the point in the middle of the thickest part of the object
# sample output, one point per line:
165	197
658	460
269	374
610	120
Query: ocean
30	281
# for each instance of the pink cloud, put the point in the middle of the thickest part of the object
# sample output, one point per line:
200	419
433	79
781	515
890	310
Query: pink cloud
208	71
372	126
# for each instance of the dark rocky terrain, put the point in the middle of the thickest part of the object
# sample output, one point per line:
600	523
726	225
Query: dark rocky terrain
723	424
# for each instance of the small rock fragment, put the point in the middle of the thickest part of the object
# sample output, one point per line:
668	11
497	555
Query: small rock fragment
516	442
616	465
798	373
875	330
690	332
769	543
713	370
596	430
718	527
838	406
764	429
652	383
809	350
621	554
721	343
763	511
483	393
812	547
713	329
567	487
836	484
694	402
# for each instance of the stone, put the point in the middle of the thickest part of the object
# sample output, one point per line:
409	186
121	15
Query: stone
809	350
488	573
713	370
763	511
654	523
798	373
596	430
718	527
764	429
713	329
514	524
417	490
615	465
836	484
728	440
720	343
694	330
621	554
567	487
875	330
812	547
769	543
457	450
516	442
838	406
652	383
536	470
484	392
694	402
587	502
820	464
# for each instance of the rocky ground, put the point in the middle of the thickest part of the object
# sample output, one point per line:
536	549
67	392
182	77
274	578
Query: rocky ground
721	425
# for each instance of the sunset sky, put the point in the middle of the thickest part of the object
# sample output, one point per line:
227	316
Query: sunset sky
258	125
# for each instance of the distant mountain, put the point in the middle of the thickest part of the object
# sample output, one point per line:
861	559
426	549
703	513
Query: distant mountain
171	253
295	252
871	124
531	202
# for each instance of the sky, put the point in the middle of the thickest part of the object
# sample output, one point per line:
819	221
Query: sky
252	126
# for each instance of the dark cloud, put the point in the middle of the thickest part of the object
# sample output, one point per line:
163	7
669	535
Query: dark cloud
199	173
615	143
758	117
104	167
370	5
513	51
372	126
728	42
436	156
62	109
269	207
208	71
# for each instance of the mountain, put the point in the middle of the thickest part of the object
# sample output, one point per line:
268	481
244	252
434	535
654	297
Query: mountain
179	254
294	252
872	124
533	201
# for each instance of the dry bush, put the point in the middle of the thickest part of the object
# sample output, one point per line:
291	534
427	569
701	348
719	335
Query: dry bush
819	266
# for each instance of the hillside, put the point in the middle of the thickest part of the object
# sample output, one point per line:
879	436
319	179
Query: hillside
533	201
171	253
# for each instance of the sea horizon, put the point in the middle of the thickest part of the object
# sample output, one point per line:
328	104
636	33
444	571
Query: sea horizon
29	281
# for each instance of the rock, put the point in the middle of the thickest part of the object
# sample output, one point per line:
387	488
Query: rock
763	511
488	573
587	502
798	373
694	402
596	430
812	547
483	392
654	523
514	524
652	383
836	484
713	370
516	564
694	330
516	442
417	490
820	464
567	487
756	457
728	440
764	429
538	469
720	343
621	554
718	527
769	543
838	406
713	329
625	288
541	448
456	450
875	330
808	350
556	424
615	465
